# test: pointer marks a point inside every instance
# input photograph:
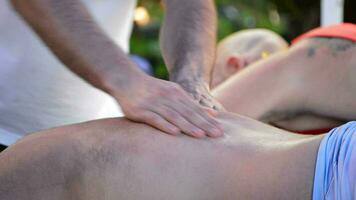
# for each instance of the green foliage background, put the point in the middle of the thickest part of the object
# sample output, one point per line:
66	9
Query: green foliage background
289	18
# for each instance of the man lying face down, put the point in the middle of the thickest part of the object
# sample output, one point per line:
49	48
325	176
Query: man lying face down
118	159
121	160
309	88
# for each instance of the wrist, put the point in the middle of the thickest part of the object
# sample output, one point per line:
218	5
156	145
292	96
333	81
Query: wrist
189	78
193	86
188	70
122	86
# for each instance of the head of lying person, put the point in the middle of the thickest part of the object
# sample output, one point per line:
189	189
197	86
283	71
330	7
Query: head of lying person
242	48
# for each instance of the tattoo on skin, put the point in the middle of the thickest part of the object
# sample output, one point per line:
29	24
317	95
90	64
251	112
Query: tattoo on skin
335	45
311	51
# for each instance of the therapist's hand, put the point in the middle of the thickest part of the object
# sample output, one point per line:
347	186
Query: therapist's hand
166	106
200	91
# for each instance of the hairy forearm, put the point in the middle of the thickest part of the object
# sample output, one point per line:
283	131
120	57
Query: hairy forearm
188	39
75	38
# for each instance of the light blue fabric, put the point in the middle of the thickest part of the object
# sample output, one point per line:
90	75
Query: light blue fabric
335	172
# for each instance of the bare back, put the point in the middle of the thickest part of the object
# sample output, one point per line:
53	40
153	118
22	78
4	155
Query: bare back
118	159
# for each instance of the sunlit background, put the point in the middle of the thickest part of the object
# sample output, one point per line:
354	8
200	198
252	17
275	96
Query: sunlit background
289	18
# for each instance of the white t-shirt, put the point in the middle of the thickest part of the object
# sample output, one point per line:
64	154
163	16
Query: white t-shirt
37	91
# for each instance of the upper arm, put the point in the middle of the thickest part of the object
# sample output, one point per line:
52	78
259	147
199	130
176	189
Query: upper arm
328	76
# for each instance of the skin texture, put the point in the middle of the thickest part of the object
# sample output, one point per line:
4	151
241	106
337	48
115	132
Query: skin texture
118	159
76	39
274	89
243	48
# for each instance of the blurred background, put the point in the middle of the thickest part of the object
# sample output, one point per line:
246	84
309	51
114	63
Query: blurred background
288	18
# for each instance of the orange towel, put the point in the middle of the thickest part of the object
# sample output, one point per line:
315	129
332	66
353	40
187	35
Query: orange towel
346	31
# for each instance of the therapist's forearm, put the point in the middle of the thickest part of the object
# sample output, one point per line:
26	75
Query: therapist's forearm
70	32
188	39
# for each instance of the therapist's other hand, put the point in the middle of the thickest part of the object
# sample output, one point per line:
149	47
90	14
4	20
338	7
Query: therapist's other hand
166	106
200	92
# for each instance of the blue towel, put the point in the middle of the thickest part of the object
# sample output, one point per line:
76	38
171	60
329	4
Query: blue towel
335	171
